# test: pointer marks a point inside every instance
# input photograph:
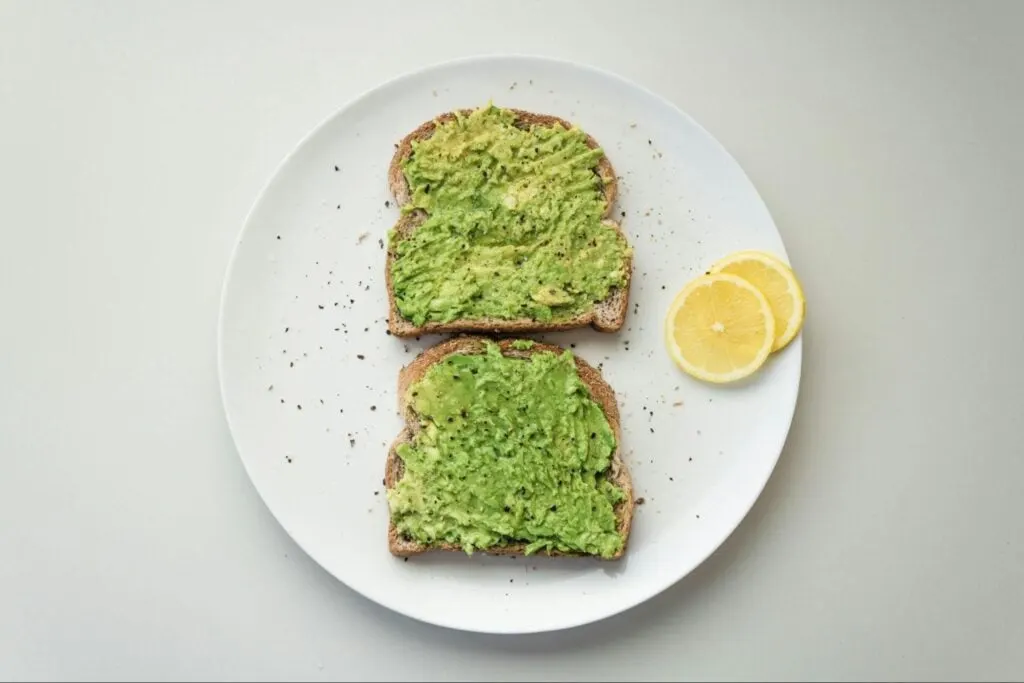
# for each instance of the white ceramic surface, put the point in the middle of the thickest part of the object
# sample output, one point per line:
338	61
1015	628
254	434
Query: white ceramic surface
308	374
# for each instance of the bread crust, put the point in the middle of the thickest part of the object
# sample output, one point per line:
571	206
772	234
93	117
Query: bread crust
608	315
600	391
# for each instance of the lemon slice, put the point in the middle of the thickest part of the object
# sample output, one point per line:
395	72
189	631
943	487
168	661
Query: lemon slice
779	285
720	328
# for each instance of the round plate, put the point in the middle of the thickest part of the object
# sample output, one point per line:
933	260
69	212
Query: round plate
308	373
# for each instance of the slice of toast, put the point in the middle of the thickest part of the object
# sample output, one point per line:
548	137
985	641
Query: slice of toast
608	315
600	391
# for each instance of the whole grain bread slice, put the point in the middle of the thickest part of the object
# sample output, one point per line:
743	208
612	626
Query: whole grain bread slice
601	392
608	315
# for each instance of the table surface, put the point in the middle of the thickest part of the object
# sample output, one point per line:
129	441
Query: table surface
886	139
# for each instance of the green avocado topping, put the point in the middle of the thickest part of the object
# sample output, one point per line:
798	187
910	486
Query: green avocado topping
514	224
510	450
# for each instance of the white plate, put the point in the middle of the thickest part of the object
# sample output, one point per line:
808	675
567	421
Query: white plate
303	324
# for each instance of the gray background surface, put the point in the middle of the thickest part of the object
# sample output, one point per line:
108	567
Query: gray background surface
886	139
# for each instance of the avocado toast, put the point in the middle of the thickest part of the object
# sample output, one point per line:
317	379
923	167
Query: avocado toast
505	228
510	447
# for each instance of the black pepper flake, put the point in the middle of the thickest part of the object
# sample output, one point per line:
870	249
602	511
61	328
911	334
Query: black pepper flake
380	243
641	500
404	559
671	479
320	306
554	508
463	413
291	364
593	435
652	430
387	203
456	378
360	356
451	419
373	407
288	459
351	442
287	328
335	167
282	400
508	509
299	406
278	237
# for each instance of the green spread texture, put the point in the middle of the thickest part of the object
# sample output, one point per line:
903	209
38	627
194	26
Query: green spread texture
514	224
510	450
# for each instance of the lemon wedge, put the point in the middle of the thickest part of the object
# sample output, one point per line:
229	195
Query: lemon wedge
777	282
720	328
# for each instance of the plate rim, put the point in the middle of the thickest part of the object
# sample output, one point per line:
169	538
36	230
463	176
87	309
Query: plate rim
642	596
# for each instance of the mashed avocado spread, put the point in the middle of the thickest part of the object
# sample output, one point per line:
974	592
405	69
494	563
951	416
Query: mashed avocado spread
511	450
514	224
